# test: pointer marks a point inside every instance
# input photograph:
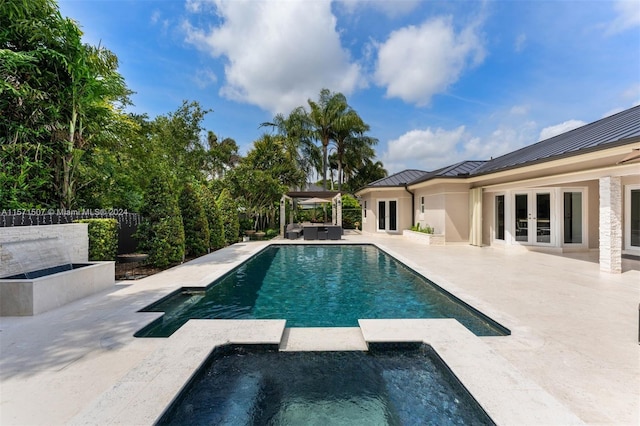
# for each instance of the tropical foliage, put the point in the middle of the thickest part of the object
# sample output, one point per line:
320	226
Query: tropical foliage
103	238
194	220
67	141
161	233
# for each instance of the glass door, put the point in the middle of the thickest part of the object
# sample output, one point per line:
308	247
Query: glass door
522	218
382	215
543	218
387	215
532	218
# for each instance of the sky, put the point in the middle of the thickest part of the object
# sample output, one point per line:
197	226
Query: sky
437	81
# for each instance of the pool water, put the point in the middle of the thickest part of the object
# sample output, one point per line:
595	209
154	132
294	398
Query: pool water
317	286
239	386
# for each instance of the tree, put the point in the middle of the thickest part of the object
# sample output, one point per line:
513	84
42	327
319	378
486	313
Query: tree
194	219
230	220
322	120
365	174
221	156
297	141
351	142
214	217
161	232
57	96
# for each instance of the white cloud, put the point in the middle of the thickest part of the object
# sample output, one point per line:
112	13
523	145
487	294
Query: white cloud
519	110
278	53
423	149
520	43
430	149
155	16
415	63
551	131
390	8
205	78
628	16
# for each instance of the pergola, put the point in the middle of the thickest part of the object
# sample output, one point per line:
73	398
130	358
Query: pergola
334	197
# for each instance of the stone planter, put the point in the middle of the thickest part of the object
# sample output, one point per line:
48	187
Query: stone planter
428	239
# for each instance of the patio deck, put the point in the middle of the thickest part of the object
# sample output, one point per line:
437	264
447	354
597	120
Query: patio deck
574	337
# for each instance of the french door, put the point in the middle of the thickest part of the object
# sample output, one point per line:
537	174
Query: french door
388	215
533	220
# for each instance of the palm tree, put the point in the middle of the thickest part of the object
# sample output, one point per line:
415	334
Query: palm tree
322	121
358	151
349	138
367	173
298	144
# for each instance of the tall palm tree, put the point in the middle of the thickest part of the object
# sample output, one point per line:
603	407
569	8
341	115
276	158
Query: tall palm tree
322	121
298	143
358	151
349	137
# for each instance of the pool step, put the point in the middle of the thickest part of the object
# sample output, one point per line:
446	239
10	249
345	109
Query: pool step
323	339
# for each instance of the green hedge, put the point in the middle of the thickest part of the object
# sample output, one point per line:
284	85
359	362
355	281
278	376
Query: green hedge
103	238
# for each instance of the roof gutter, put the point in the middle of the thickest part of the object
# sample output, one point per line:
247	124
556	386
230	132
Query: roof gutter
413	210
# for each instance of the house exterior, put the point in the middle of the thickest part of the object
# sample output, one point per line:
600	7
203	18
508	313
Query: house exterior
577	191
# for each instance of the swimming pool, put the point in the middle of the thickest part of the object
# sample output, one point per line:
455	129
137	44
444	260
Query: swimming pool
243	385
317	286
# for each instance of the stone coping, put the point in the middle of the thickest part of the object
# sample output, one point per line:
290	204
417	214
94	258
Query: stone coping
142	395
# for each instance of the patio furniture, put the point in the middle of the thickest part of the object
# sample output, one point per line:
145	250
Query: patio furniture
310	233
334	232
294	231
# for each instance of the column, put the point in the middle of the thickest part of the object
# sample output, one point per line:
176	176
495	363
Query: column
611	224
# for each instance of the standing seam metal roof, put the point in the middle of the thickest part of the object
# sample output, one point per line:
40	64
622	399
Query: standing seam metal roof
400	178
610	131
607	131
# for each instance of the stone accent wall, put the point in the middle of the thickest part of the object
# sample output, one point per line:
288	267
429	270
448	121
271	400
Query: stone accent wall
611	224
30	248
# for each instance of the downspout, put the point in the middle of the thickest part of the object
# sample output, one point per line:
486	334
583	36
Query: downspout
413	207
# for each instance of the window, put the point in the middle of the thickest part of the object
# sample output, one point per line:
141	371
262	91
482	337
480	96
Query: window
632	218
421	204
499	225
572	217
364	212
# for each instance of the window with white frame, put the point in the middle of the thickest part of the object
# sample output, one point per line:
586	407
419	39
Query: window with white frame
421	204
632	218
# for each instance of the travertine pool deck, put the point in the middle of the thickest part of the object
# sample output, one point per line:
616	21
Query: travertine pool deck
573	355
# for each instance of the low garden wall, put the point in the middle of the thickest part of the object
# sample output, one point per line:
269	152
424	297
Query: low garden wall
422	237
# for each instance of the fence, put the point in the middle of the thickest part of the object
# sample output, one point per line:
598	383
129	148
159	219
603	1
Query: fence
127	222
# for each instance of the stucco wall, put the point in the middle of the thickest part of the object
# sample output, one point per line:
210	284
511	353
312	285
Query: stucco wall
403	198
446	210
30	248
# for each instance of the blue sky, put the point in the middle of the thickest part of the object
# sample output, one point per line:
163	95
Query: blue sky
438	82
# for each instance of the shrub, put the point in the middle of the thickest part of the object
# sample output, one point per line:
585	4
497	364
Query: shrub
194	221
103	238
161	232
427	229
270	233
214	217
230	220
351	212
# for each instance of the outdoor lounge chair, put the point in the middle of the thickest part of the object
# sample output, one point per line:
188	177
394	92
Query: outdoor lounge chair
294	231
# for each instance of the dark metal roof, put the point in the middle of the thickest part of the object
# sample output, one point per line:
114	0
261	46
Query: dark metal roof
400	178
461	169
614	130
312	194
